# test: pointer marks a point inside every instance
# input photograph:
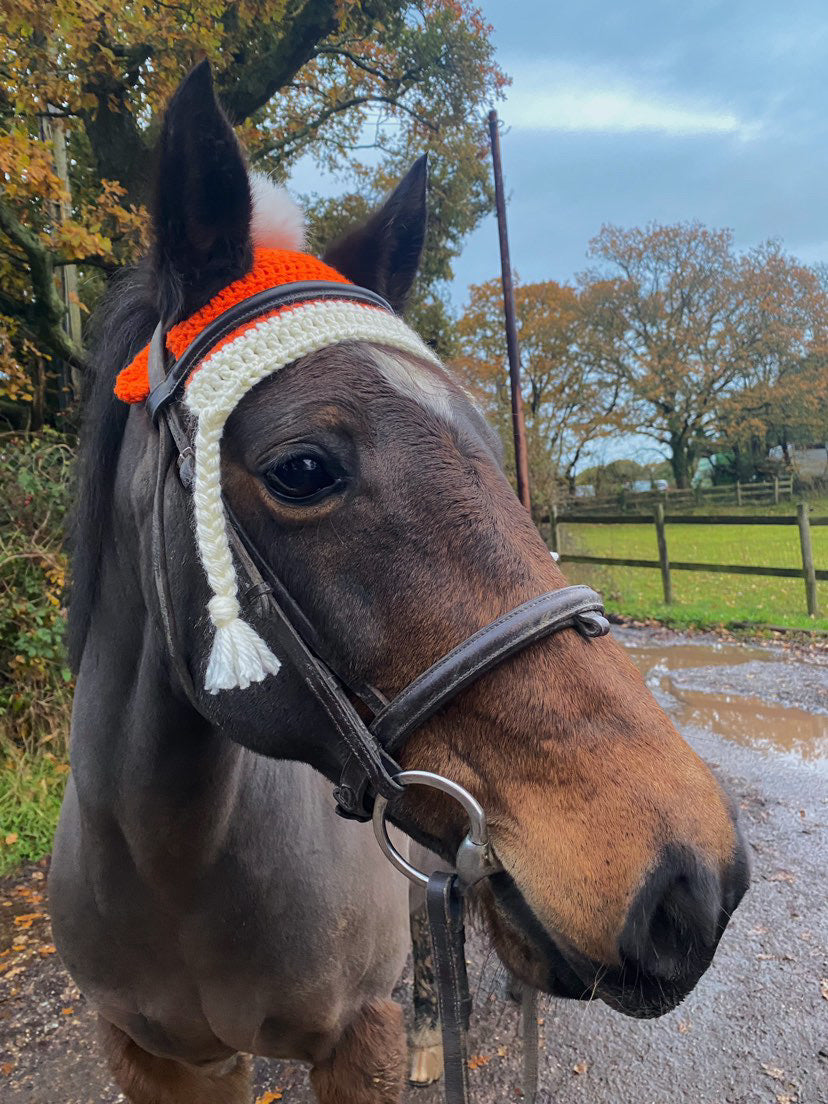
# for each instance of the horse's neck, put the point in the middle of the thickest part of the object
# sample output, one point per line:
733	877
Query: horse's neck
144	761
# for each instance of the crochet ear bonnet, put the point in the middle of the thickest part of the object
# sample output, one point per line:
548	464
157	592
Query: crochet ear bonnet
224	375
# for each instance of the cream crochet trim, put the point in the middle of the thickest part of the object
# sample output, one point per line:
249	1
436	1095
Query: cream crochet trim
239	656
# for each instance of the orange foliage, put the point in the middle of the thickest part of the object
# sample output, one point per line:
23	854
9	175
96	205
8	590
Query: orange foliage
92	77
570	400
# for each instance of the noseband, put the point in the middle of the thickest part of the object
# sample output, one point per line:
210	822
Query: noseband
371	777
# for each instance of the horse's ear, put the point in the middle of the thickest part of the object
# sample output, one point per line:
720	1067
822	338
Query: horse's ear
202	201
384	253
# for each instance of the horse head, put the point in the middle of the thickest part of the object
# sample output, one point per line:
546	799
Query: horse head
370	483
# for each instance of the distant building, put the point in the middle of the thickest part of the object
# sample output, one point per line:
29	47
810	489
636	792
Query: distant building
703	476
808	463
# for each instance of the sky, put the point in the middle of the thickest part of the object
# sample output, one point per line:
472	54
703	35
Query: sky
627	111
644	110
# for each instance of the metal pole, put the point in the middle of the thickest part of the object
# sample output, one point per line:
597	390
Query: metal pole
518	428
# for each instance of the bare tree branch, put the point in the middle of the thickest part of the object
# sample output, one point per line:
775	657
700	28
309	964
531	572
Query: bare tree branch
299	138
251	80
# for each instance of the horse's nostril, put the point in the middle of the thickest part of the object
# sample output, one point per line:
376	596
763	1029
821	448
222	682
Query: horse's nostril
675	918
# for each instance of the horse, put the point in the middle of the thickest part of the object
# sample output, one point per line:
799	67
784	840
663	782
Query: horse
205	896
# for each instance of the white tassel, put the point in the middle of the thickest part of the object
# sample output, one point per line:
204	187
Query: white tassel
239	656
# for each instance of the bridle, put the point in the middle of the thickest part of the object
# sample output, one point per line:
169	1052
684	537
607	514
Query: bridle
371	778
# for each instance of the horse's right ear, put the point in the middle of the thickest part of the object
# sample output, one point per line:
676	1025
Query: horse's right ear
384	253
202	202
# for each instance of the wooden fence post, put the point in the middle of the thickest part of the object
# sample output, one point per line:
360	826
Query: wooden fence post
738	493
776	490
808	572
553	528
664	561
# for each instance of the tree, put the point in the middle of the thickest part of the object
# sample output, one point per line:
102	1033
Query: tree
616	475
569	398
325	77
686	321
782	397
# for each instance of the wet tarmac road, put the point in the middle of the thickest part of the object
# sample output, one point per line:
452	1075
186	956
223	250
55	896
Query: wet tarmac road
755	1029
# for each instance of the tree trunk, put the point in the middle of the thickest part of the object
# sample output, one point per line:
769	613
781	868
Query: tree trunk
38	396
52	131
120	148
680	462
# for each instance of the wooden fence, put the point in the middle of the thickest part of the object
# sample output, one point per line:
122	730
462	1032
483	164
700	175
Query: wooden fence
659	519
731	494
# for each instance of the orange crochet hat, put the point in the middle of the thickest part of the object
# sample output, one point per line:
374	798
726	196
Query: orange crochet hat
271	268
248	354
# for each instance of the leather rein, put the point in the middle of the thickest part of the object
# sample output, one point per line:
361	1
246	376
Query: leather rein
371	777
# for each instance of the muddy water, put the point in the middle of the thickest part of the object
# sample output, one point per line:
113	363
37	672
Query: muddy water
756	697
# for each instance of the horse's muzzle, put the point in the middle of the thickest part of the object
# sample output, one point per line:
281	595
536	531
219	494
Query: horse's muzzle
668	941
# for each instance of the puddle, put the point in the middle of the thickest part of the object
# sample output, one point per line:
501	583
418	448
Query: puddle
755	723
748	695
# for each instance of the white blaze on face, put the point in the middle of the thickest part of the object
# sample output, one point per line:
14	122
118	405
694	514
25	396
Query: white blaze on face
414	381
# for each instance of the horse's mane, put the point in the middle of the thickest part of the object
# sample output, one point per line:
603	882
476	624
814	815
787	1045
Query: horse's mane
122	325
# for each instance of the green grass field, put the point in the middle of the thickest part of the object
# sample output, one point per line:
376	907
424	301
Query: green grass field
700	598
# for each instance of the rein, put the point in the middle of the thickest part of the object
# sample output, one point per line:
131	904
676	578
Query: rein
371	777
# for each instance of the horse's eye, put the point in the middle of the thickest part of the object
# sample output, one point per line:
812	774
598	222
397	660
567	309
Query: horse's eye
301	478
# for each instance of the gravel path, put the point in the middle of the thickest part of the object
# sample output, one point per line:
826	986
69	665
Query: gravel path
755	1030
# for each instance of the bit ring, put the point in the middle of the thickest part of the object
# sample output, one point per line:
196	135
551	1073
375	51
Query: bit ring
475	859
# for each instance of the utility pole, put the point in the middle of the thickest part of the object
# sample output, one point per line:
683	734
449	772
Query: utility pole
518	427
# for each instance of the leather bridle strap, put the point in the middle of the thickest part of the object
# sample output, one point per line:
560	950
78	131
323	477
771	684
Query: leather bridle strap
445	906
166	450
570	607
445	909
529	1031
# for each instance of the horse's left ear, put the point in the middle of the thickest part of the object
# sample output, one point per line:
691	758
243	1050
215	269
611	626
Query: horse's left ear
384	253
202	208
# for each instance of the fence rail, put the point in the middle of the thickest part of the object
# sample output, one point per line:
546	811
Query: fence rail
775	491
808	572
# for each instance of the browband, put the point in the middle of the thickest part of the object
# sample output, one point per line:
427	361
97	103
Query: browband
264	302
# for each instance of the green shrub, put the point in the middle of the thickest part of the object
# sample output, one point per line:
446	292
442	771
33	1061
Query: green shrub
31	790
35	682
